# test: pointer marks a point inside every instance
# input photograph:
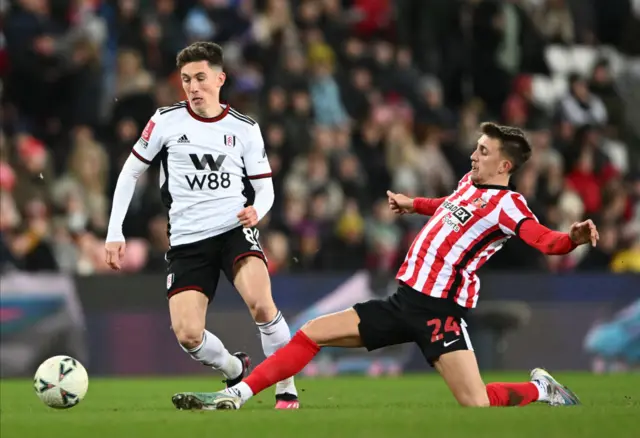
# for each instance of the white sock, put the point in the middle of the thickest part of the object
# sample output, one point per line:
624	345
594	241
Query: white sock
543	389
241	390
275	335
211	352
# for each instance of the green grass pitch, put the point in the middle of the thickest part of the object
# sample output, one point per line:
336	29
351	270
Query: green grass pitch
408	406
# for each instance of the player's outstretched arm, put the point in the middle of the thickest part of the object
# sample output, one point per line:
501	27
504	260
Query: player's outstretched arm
401	204
555	242
516	219
125	187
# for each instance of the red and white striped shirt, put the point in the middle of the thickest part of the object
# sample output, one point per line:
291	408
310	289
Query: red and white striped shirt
464	232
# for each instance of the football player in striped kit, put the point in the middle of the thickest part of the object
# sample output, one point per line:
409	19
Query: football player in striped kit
438	286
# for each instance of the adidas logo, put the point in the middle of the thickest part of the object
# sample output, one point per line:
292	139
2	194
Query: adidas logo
255	248
183	139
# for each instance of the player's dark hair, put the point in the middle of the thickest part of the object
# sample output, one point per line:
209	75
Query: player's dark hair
513	143
200	51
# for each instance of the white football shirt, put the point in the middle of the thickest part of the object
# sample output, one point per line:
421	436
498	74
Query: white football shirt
204	163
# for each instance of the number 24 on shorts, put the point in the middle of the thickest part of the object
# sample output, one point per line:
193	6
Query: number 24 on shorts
450	325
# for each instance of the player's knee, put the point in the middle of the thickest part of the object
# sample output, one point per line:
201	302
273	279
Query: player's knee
189	335
335	330
263	310
310	329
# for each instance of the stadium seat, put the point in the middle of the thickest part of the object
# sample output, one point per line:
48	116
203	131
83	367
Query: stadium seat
548	90
583	59
617	61
543	91
559	59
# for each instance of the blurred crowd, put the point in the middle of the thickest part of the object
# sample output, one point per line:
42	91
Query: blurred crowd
354	97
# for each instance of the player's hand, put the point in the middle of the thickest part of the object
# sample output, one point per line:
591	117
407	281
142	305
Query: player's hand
114	254
248	217
399	203
584	232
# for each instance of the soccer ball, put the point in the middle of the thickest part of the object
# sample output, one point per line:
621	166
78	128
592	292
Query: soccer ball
61	382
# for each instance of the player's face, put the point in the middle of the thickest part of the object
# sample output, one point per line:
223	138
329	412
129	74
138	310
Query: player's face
487	161
201	83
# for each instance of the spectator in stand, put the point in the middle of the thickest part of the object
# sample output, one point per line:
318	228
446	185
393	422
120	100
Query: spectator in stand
555	21
580	106
353	97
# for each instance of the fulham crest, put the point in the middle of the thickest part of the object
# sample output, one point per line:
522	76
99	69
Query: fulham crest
169	281
230	140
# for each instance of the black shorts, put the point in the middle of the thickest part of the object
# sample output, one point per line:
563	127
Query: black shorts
437	325
197	265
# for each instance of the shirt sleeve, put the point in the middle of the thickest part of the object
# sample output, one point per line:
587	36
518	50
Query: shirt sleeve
514	211
125	187
255	157
545	240
264	196
427	206
150	142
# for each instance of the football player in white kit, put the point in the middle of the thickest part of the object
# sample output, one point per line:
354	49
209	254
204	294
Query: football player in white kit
212	157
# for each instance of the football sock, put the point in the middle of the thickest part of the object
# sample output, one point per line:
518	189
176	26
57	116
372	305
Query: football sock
211	352
512	394
543	389
275	335
241	390
284	363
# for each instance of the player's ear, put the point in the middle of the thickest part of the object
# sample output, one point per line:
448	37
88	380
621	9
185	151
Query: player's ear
222	77
505	166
